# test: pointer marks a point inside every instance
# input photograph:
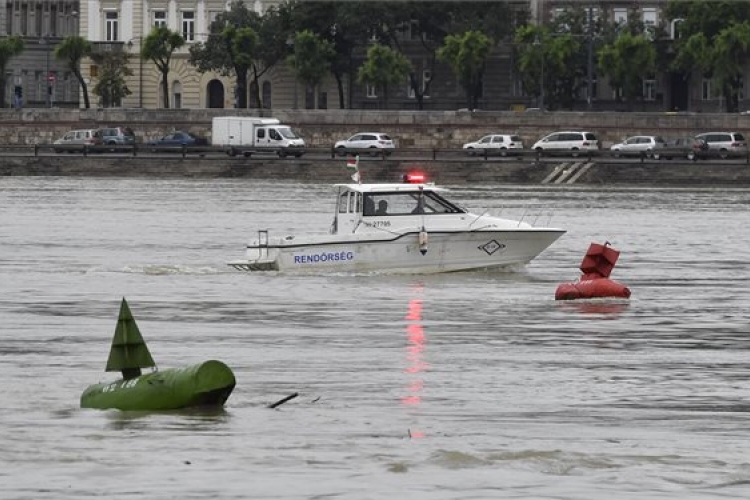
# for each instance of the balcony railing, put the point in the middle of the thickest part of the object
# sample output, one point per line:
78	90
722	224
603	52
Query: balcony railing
104	47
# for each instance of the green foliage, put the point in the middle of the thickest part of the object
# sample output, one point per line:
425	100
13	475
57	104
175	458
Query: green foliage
383	67
10	47
312	57
71	50
713	39
231	49
627	62
467	55
113	70
158	46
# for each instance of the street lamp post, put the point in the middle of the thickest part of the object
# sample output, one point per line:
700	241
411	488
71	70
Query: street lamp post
538	43
290	44
47	81
140	68
590	62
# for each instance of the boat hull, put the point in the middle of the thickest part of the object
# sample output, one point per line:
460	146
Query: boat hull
405	253
205	384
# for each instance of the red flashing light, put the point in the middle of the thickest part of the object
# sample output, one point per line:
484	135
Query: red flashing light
414	178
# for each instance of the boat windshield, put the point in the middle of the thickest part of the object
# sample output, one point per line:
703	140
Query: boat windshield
407	203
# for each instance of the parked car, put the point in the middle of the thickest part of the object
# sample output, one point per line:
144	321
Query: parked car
376	143
725	144
176	140
117	136
638	145
77	140
568	141
691	148
494	144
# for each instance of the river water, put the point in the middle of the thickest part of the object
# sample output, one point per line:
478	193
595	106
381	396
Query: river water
458	386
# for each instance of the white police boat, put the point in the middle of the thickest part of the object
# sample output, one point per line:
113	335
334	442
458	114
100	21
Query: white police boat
401	228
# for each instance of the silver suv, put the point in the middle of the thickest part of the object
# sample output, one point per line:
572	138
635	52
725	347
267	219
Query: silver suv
117	136
725	143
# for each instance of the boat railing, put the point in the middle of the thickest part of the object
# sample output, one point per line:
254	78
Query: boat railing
535	213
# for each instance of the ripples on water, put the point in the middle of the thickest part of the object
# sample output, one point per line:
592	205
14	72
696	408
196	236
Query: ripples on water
466	385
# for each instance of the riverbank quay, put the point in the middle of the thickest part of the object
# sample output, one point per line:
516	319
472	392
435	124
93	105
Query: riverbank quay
410	129
563	172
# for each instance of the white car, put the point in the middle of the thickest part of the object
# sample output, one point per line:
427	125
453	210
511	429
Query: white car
492	144
375	143
639	144
572	142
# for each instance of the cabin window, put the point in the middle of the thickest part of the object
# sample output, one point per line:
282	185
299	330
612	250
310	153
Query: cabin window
407	203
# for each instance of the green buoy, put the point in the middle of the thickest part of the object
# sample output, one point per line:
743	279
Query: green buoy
206	384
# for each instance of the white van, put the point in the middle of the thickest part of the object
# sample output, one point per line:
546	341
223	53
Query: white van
567	141
246	135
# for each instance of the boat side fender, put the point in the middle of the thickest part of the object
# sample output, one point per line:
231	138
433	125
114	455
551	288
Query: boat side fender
424	240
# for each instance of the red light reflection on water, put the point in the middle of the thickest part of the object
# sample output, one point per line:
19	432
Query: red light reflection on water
414	350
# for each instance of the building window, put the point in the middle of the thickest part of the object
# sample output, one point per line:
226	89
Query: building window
52	20
159	18
620	16
212	15
649	90
371	91
111	26
649	17
188	25
426	77
706	90
176	95
741	89
410	89
24	19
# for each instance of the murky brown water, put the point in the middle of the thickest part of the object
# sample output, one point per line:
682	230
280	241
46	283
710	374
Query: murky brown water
466	385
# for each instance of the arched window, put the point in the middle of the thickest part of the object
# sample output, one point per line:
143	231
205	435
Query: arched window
266	94
215	94
176	95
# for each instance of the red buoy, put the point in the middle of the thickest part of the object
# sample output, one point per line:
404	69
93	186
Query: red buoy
596	267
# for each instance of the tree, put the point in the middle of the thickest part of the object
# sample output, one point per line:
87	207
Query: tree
467	55
312	57
383	67
158	46
731	52
547	63
71	50
10	47
712	39
627	62
113	71
240	42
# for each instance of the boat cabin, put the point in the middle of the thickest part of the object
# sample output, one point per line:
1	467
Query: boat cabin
358	203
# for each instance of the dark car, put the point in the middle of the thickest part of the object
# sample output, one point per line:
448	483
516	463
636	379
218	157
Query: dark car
691	148
177	140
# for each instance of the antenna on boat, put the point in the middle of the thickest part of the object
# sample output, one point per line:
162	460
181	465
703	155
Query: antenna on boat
129	352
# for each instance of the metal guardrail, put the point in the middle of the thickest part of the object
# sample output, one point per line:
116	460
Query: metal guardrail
416	154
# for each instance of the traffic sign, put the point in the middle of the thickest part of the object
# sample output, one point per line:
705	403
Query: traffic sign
51	77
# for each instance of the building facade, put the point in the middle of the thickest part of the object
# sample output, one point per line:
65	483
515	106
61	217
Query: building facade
121	25
36	78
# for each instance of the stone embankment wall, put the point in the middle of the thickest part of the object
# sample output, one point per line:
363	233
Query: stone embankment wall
411	129
601	174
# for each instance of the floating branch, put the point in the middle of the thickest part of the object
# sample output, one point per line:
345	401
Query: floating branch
282	401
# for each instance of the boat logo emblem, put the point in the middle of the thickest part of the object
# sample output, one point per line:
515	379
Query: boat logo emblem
491	247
